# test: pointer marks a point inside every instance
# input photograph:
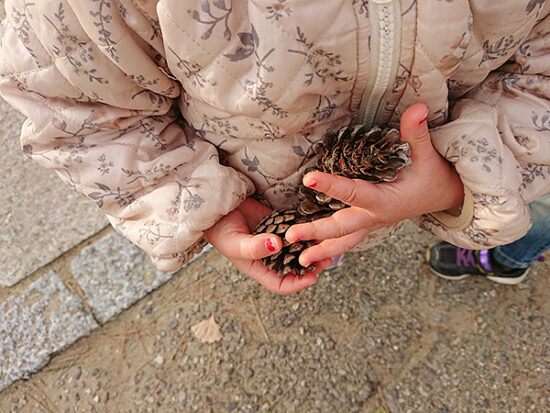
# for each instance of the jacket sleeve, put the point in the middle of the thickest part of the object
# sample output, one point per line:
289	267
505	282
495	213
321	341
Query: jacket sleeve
100	107
498	139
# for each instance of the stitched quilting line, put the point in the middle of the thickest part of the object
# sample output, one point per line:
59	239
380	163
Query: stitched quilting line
292	38
216	57
77	50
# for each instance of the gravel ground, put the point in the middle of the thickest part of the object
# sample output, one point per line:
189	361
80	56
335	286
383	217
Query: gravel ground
379	332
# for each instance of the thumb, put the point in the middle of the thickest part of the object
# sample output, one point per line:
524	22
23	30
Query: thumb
414	130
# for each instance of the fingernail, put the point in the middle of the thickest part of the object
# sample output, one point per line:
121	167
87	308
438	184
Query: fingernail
296	240
425	117
269	245
312	184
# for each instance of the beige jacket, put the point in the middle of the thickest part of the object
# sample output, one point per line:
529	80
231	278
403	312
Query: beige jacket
168	113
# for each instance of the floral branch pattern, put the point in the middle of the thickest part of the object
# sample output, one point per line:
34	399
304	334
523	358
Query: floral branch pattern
191	202
122	198
476	150
216	126
532	172
103	19
324	64
257	88
363	7
70	44
501	48
149	131
206	8
22	29
278	10
149	176
253	166
192	69
542	124
104	165
152	233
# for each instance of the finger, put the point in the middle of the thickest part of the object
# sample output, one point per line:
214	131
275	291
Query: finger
239	244
254	247
339	224
354	192
269	279
414	130
321	265
332	247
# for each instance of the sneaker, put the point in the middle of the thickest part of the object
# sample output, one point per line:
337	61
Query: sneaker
336	262
454	263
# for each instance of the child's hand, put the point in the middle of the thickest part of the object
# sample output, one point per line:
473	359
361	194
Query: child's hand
429	184
231	237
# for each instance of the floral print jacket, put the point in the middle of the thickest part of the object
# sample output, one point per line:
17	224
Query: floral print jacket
168	113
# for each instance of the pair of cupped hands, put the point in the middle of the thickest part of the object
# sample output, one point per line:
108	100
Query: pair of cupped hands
429	184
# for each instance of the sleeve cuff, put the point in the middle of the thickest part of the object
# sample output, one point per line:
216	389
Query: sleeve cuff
454	222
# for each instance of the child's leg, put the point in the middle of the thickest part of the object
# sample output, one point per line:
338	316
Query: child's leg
523	252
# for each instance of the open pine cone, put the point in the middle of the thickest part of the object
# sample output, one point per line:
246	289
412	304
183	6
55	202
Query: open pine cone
353	152
286	260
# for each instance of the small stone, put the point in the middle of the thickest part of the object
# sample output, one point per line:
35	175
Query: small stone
95	372
159	360
248	373
78	373
172	324
149	310
96	398
336	276
282	351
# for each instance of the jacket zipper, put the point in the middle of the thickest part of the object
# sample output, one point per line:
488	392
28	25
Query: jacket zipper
385	43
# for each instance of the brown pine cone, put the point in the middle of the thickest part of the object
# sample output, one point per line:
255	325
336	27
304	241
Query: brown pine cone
374	155
353	152
286	260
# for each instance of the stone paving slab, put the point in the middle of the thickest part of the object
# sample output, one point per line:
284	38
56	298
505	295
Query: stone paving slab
113	274
39	321
41	217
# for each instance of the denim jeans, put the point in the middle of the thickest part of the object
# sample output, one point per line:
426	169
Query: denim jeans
521	253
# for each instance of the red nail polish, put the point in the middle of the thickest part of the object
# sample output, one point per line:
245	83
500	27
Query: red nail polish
269	245
296	240
312	184
424	118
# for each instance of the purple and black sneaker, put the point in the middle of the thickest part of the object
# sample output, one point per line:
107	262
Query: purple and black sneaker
454	263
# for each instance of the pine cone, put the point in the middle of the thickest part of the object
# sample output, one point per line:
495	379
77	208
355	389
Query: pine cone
286	261
353	152
375	155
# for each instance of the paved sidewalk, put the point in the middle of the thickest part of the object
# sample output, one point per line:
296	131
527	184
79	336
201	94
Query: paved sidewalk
379	332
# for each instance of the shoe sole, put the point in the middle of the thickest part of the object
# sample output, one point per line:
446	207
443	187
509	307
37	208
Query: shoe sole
494	278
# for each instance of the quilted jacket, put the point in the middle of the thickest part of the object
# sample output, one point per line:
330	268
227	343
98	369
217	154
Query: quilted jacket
169	113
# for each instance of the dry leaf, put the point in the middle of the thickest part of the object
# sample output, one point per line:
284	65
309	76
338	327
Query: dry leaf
207	331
